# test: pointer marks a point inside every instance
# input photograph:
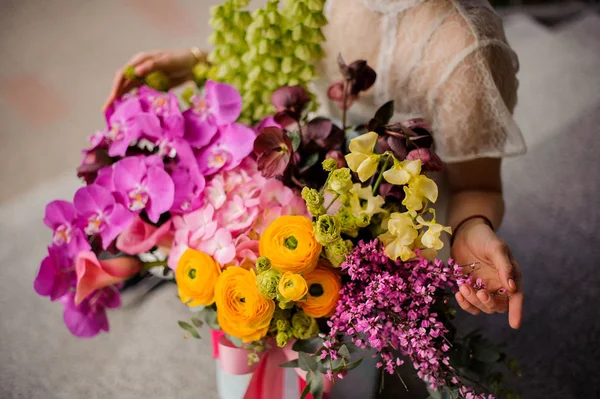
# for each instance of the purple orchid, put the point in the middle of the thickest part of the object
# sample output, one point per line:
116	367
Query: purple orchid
168	139
61	217
56	275
220	105
159	103
230	146
89	317
99	213
127	124
142	183
189	185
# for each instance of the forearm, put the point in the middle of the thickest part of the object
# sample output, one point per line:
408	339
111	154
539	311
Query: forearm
466	203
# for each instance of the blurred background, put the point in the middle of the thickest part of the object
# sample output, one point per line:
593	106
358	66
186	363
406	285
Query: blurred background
57	61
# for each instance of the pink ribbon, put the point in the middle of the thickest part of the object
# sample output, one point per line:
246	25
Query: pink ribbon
267	378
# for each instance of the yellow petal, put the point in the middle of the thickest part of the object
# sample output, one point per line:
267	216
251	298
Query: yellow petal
398	176
365	143
395	250
368	168
426	187
413	167
412	201
354	160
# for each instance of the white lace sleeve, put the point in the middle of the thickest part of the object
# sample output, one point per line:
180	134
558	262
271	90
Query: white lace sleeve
470	106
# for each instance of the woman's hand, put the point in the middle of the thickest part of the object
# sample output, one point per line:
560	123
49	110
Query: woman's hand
476	244
177	65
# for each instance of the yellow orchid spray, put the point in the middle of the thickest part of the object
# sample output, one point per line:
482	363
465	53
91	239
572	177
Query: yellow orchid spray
362	158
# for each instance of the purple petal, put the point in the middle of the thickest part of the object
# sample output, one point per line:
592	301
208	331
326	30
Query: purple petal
129	172
161	191
184	153
225	102
126	110
174	126
105	178
153	160
198	131
93	199
189	184
148	124
54	278
59	212
117	221
239	141
84	321
118	148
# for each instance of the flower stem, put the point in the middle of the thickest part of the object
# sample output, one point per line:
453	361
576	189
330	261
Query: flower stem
378	182
332	201
150	265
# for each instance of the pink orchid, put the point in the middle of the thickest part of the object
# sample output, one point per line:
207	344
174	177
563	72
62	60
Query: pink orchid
93	274
56	275
189	184
105	178
220	105
100	214
141	237
159	103
88	318
229	147
61	217
266	122
142	183
220	247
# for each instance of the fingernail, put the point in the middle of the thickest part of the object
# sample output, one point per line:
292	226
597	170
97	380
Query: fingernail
483	296
465	290
512	285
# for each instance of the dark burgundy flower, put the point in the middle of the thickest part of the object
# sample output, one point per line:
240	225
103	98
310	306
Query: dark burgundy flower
273	149
429	159
336	93
360	75
419	132
289	103
92	163
321	134
391	191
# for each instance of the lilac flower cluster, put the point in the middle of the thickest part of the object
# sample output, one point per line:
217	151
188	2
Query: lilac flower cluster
152	160
390	306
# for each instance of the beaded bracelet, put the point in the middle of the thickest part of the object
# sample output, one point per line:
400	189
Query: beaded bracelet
485	219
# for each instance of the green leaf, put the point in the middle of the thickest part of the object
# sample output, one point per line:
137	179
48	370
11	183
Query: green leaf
296	140
310	345
306	362
385	113
189	328
355	364
210	316
317	386
291	364
309	161
433	394
344	352
197	322
306	390
234	340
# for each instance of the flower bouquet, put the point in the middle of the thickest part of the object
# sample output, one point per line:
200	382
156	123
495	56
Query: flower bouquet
298	241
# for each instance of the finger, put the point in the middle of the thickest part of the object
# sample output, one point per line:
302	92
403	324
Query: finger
489	301
515	303
466	305
500	257
116	85
140	57
470	295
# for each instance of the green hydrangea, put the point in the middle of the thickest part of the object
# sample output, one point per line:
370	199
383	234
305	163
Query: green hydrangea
276	47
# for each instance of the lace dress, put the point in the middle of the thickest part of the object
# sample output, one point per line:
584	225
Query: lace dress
447	61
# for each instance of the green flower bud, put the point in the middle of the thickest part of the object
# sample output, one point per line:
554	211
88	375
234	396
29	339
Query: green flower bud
263	47
327	229
200	72
283	338
262	264
363	219
314	201
316	51
266	97
259	112
329	165
213	73
347	222
315	20
315	5
274	18
277	49
283	325
187	95
299	32
158	81
270	65
307	73
340	181
267	283
242	19
302	52
254	73
284	303
293	82
219	23
287	65
129	73
316	36
216	38
336	251
240	3
272	32
299	11
304	326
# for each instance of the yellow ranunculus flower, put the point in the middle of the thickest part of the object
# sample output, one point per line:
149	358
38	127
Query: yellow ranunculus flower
431	238
292	286
400	238
419	188
241	309
290	244
361	158
324	287
196	276
402	172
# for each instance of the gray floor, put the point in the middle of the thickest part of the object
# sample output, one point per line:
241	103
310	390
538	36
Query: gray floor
56	65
